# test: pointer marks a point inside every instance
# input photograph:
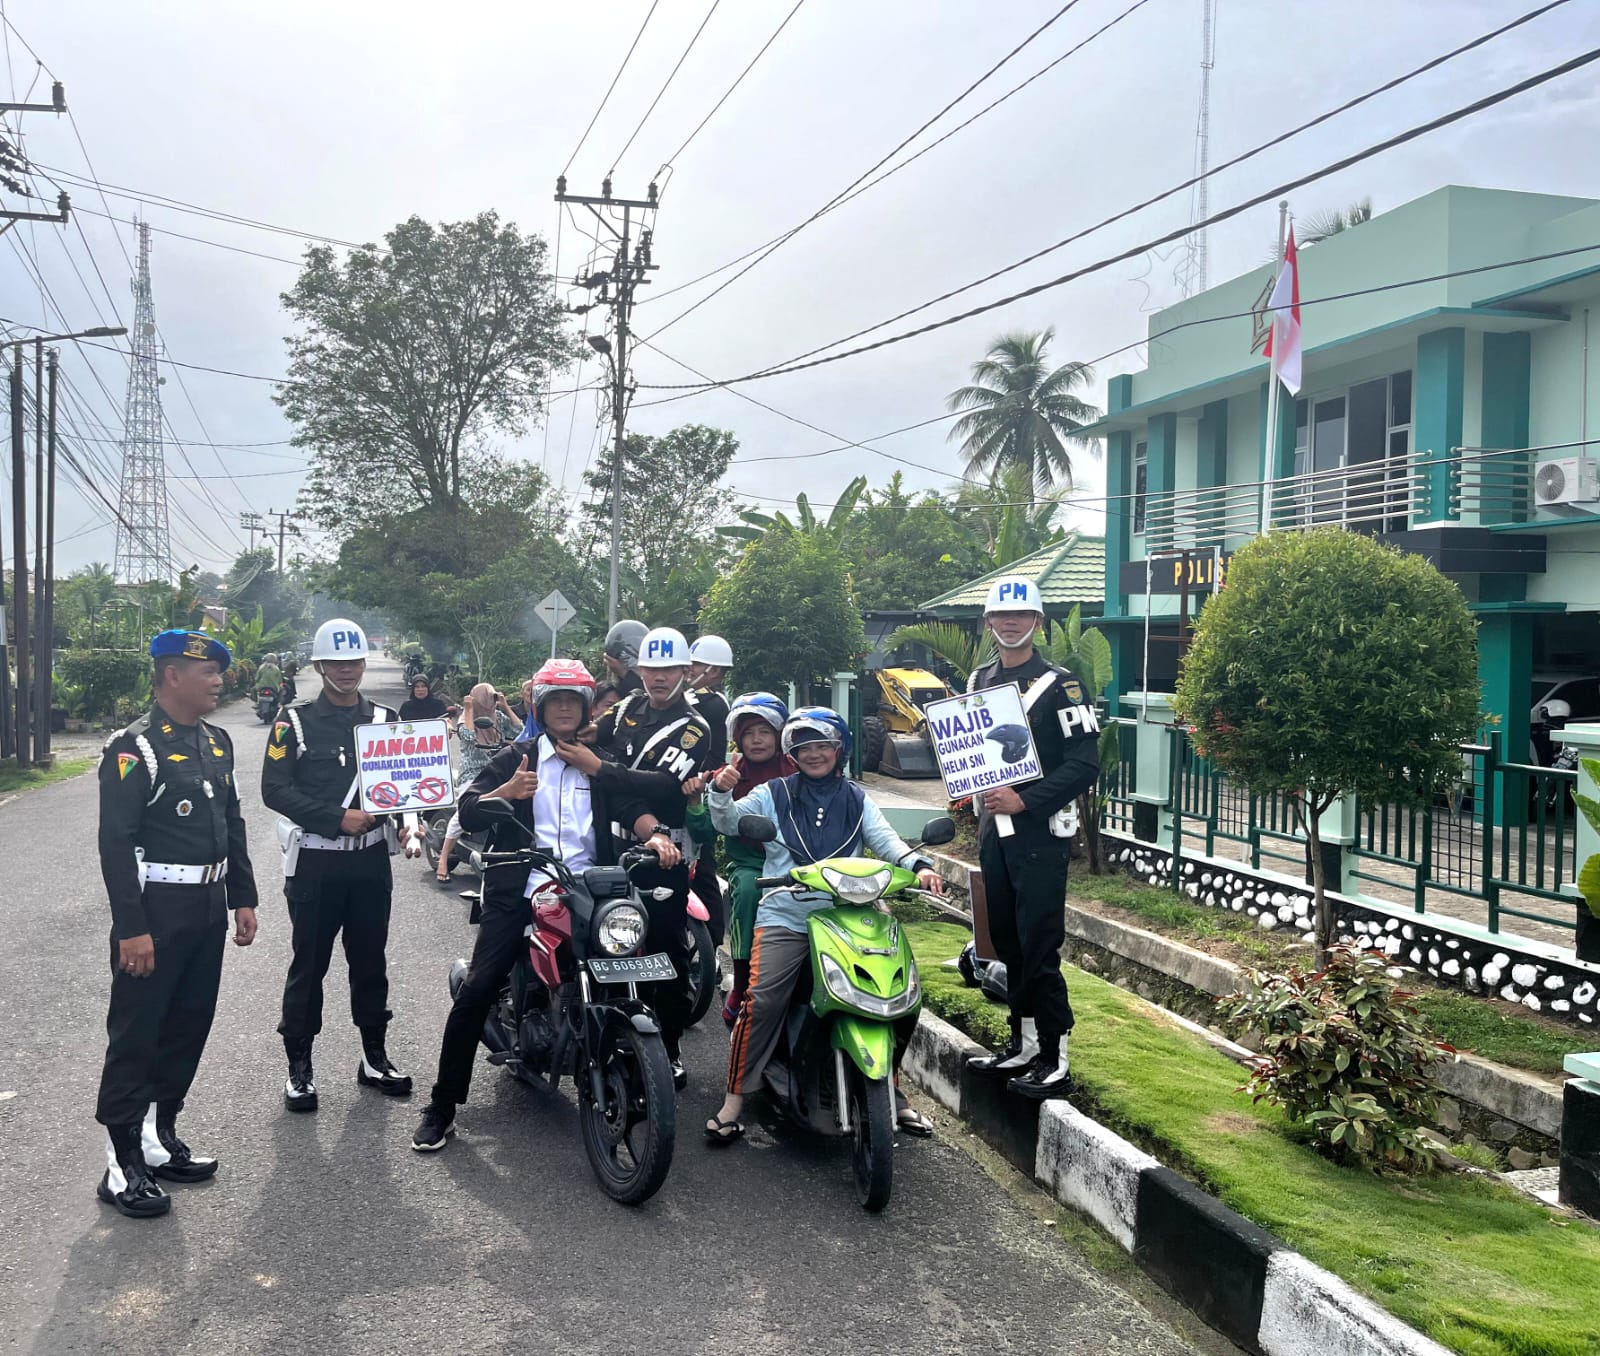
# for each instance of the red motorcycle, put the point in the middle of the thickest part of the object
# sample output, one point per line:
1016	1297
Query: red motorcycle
571	1006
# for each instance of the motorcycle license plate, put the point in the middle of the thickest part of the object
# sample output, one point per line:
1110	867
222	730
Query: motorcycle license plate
633	969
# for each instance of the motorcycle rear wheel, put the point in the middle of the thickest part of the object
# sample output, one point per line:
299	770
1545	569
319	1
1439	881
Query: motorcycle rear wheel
872	1155
702	967
629	1140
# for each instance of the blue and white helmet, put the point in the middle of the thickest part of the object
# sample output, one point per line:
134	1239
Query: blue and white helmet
809	724
761	705
1014	593
662	648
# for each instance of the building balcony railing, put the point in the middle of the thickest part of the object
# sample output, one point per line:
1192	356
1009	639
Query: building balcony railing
1385	495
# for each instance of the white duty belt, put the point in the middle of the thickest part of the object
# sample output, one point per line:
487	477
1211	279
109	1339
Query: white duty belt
345	842
181	873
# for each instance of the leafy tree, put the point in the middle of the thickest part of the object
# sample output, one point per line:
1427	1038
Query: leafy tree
252	583
1005	518
1022	413
755	523
410	355
1331	665
81	600
787	611
904	549
247	638
672	500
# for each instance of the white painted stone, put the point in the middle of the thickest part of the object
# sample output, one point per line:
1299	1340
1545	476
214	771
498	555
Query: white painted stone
1396	972
1525	975
1510	994
1586	1019
1359	926
1278	897
1555	982
1392	945
1308	937
1090	1169
1393	925
1583	995
1491	974
1237	906
1501	959
1205	878
1286	914
1192	890
1267	921
1408	932
1188	868
1452	943
1451	968
1307	1311
1532	1001
1433	955
1560	1005
1416	955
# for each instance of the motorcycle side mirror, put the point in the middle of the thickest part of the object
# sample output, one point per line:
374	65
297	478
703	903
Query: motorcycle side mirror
760	829
939	830
497	810
484	723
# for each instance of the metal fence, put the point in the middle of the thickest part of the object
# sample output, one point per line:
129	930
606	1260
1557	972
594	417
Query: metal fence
1504	836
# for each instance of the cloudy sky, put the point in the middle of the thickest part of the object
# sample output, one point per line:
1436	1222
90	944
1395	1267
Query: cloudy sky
342	117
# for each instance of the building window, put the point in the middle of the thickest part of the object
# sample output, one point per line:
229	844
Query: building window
1367	425
1141	483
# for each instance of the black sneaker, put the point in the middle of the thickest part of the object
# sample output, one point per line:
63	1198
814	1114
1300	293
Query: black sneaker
300	1092
1046	1077
375	1071
437	1124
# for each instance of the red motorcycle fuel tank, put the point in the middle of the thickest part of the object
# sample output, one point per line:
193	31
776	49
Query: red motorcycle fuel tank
552	930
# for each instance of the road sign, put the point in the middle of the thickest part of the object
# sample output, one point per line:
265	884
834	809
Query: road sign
403	765
555	612
982	740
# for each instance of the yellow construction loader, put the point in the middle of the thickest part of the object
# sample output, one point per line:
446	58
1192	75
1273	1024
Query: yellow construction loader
894	730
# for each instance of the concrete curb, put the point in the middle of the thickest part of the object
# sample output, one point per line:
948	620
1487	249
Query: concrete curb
1233	1274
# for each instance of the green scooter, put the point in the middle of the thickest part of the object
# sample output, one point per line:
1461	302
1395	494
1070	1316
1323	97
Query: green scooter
833	1071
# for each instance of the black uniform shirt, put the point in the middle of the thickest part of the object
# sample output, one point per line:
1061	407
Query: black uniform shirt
1066	732
312	787
183	810
713	709
627	731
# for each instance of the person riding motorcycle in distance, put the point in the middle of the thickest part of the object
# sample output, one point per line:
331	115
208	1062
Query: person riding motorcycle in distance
820	814
268	674
571	816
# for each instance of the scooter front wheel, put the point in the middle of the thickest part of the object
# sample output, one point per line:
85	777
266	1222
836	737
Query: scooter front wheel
630	1131
872	1123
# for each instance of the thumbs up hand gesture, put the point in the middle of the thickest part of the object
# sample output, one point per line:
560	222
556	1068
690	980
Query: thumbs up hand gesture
521	784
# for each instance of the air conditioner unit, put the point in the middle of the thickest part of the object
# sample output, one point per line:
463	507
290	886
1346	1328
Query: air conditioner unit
1566	480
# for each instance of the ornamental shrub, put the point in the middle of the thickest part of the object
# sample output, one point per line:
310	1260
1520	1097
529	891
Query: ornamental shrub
105	676
1346	1053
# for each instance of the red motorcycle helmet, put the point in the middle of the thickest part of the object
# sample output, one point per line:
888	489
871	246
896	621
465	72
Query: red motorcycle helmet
562	675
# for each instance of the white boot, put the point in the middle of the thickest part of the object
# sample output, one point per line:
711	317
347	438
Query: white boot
155	1152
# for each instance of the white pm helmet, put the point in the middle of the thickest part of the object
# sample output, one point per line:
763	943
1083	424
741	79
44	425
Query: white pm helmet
1013	594
712	650
340	638
663	648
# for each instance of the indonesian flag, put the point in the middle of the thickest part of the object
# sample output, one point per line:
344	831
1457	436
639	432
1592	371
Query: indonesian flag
1283	342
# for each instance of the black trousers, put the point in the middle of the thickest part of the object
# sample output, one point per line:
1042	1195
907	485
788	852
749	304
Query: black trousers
668	921
156	1027
500	940
1025	883
709	890
334	893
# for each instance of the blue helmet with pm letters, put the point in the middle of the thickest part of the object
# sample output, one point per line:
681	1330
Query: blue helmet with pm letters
1014	593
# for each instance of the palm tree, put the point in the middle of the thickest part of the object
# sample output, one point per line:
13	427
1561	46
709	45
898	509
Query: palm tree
1315	229
1020	413
756	524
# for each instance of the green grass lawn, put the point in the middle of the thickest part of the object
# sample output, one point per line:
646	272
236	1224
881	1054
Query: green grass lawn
1485	1028
1465	1260
13	778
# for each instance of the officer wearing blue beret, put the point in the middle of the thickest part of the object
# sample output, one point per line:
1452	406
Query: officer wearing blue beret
175	860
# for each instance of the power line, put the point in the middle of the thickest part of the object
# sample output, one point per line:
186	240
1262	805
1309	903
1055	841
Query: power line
1191	182
195	239
607	95
1226	214
667	163
671	76
764	252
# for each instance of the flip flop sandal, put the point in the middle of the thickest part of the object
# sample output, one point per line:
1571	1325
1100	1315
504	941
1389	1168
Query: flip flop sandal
723	1132
913	1122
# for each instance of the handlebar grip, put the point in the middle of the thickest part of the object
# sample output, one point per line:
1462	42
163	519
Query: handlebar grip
773	882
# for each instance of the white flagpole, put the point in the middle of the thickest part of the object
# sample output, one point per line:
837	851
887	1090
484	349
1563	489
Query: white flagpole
1272	385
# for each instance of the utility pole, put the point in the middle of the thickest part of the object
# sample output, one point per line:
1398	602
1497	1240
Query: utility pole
15	163
47	627
41	638
19	573
251	523
615	290
284	519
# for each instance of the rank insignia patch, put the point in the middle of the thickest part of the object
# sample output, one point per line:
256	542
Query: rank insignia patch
276	751
185	808
1073	690
280	731
126	762
690	738
177	758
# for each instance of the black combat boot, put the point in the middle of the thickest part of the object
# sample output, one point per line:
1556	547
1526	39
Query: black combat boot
1014	1056
300	1092
127	1183
177	1162
1047	1075
375	1070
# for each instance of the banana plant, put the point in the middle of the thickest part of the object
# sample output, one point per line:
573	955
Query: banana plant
755	524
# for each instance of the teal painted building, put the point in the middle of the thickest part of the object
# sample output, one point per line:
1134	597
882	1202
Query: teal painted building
1450	416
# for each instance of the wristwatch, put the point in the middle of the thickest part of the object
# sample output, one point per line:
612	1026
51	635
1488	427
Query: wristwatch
659	828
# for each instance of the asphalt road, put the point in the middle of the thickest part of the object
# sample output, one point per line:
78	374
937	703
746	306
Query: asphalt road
327	1233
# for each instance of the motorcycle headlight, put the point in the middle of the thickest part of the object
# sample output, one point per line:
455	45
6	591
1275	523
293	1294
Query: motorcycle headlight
840	985
620	929
858	889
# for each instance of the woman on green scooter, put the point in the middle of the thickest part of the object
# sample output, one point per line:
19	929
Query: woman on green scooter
820	814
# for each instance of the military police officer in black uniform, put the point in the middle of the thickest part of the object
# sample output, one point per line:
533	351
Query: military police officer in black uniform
1024	846
175	859
710	662
659	743
336	864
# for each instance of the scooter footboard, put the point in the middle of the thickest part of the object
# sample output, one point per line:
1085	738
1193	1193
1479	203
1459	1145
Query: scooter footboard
868	1043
